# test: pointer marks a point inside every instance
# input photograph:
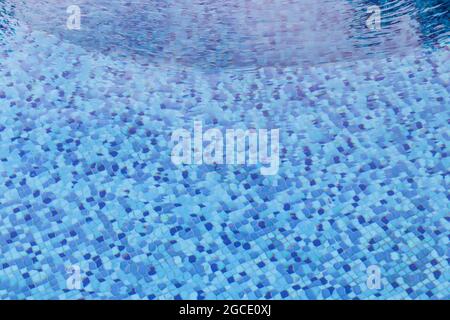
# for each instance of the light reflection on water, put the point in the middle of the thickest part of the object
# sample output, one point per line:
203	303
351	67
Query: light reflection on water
236	34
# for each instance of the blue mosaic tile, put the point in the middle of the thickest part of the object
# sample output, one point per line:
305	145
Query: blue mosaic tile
92	207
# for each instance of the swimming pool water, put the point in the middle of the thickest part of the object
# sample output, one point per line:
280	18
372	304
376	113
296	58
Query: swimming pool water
88	188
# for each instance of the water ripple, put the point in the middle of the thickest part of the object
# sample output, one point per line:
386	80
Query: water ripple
237	34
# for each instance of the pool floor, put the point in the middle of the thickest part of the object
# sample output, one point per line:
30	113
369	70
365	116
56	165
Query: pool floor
88	191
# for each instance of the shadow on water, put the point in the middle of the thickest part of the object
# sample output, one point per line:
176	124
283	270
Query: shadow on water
239	34
433	17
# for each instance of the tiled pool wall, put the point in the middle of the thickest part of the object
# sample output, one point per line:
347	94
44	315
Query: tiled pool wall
87	183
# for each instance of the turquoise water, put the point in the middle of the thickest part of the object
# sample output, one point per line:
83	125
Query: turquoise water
92	207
